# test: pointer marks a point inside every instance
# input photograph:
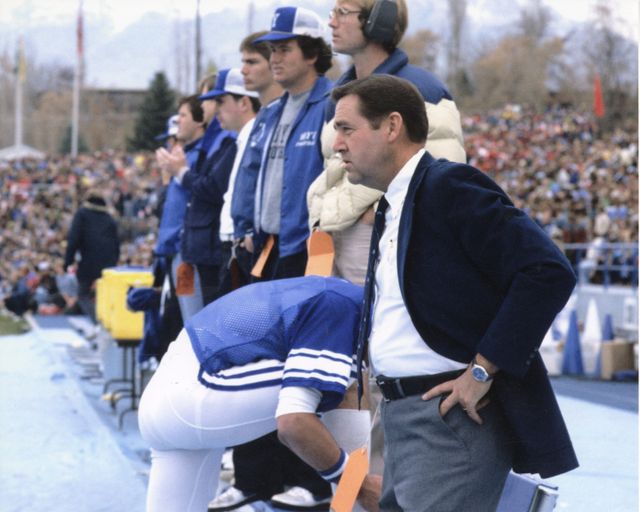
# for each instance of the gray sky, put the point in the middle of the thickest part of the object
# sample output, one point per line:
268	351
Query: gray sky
29	13
136	63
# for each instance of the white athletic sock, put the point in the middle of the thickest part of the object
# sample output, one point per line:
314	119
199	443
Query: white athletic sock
350	428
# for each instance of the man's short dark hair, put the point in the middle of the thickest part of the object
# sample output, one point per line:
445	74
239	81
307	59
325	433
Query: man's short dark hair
380	95
263	48
255	102
195	106
316	47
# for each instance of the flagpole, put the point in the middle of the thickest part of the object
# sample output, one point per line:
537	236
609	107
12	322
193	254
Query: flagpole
75	109
20	77
75	114
198	43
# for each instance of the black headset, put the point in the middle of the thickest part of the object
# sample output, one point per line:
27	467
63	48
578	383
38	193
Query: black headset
381	23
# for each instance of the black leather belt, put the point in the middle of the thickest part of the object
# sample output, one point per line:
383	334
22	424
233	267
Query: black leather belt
393	389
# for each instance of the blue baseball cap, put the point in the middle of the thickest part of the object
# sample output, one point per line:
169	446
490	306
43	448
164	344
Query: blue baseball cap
229	81
172	129
290	22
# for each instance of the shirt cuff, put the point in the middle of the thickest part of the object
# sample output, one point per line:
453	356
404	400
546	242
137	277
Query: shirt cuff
184	170
298	399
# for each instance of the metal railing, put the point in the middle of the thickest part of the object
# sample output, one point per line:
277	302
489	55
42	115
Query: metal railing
604	263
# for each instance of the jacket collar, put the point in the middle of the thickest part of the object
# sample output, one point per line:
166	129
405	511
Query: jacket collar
95	207
390	66
193	144
318	93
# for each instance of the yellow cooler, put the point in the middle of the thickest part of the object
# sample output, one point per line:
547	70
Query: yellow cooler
122	323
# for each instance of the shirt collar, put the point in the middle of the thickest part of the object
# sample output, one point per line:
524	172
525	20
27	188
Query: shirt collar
244	132
397	190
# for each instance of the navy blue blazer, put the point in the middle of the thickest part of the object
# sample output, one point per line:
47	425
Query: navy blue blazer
207	182
477	275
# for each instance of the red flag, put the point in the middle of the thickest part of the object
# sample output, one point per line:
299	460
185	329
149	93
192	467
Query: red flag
80	33
598	102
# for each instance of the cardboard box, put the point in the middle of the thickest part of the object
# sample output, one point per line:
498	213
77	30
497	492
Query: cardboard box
616	355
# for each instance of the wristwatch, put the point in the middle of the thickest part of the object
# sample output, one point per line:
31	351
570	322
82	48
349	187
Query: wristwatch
479	372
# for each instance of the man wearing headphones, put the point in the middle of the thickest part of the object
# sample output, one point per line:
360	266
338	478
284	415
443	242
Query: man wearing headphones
370	31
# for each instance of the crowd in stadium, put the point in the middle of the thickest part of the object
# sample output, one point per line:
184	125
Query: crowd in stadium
554	165
37	202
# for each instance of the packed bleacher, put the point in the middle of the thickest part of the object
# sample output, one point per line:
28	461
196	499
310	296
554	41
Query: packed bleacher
576	184
37	202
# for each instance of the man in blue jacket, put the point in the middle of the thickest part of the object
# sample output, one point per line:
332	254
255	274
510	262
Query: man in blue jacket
466	286
291	160
258	78
369	31
206	179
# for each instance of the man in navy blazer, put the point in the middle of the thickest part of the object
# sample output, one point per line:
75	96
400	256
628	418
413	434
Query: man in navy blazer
461	288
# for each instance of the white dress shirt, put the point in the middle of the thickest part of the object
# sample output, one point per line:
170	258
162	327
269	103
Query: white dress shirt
395	346
226	222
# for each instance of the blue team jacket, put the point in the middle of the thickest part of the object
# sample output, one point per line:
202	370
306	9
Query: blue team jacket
302	332
244	190
207	181
303	163
175	206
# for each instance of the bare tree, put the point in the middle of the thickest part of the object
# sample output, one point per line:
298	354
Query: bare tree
50	119
524	67
534	21
177	55
615	59
422	48
516	71
7	81
184	55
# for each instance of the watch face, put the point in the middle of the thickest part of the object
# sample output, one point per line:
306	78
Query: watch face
479	374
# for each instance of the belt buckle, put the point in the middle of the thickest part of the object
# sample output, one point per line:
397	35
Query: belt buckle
392	387
398	387
382	384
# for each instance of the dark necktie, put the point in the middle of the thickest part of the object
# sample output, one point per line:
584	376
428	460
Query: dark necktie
369	290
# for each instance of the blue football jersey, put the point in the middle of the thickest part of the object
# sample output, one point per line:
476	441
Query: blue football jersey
299	332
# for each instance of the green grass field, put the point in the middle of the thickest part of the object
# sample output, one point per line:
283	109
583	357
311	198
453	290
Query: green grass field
12	325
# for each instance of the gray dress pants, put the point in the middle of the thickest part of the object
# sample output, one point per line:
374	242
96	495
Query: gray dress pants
438	464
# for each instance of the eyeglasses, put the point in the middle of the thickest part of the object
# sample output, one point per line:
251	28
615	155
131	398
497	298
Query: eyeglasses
340	13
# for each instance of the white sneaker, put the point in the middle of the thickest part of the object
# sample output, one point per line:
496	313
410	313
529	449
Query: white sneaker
226	467
298	498
231	499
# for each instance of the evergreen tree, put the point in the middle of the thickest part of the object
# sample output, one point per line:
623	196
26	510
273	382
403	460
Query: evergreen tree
158	105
